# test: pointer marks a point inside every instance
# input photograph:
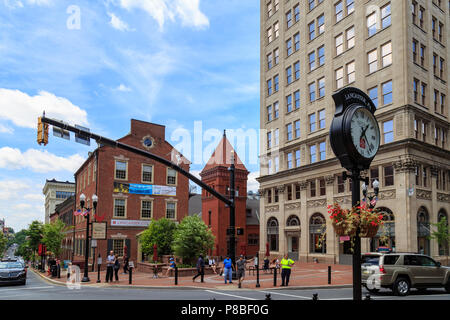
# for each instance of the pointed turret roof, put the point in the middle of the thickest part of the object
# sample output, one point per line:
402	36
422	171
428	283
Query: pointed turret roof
221	157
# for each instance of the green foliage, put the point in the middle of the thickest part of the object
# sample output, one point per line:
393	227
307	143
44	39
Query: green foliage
3	243
35	233
53	235
192	238
159	232
442	235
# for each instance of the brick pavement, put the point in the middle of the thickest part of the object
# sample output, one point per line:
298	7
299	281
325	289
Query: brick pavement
303	275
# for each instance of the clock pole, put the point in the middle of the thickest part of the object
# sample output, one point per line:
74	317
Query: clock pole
356	197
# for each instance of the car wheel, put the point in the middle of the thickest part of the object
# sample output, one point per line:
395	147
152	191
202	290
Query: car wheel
401	287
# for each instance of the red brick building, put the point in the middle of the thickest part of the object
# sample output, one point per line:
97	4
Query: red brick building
64	212
132	190
214	212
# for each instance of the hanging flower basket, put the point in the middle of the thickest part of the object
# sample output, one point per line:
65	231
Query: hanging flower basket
369	231
344	229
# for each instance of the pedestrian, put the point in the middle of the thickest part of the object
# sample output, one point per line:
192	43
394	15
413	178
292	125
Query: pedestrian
116	267
171	265
266	264
125	264
228	269
240	264
286	265
110	260
200	269
212	264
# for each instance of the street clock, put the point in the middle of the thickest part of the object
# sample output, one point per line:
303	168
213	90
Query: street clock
354	131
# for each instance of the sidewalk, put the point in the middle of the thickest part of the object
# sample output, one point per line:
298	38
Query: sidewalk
303	275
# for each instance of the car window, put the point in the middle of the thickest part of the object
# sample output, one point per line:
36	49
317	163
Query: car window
390	259
427	261
10	265
370	260
412	261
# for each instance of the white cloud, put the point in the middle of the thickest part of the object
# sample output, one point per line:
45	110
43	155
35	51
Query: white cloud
118	24
123	88
23	110
40	2
38	161
252	184
161	10
6	129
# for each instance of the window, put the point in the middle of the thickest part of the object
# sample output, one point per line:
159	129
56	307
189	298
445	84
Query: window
119	208
441	68
312	92
289	103
171	176
118	245
339	13
421	15
316	232
297	128
321	55
312	188
269	113
413	11
387	92
372	24
147	173
340	184
269	87
289	132
171	210
440	31
388	131
297	13
423	90
277	137
269	140
339	78
121	170
289	47
269	35
276	5
289	161
276	54
312	154
321	24
350	6
276	110
269	165
312	30
373	175
297	158
146	209
414	50
351	72
289	75
422	55
350	35
322	188
386	16
297	192
311	4
372	61
322	119
297	99
297	41
297	70
373	95
312	122
339	40
322	151
388	176
269	9
442	103
416	90
321	87
386	54
277	168
312	61
276	83
289	18
276	29
269	61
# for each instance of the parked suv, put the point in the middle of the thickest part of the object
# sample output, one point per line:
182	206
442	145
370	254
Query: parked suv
402	271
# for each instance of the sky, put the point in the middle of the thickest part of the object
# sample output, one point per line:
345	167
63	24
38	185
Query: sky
191	65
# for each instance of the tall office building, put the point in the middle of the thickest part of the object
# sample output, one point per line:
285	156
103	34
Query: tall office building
396	52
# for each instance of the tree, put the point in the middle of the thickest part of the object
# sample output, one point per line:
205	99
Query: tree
192	238
159	232
35	232
53	235
442	235
3	242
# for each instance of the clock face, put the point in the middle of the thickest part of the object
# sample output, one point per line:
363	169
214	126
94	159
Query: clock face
365	132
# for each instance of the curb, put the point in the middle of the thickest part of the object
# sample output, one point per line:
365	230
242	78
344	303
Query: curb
119	286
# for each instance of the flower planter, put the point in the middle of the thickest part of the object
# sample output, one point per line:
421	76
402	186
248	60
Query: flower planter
368	231
344	229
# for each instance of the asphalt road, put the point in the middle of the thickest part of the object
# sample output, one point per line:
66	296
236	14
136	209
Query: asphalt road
39	289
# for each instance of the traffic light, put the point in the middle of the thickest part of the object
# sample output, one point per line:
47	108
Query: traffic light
42	133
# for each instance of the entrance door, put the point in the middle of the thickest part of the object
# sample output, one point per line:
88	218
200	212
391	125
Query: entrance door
345	253
293	247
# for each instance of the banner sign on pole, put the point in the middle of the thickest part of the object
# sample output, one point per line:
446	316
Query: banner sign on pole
147	189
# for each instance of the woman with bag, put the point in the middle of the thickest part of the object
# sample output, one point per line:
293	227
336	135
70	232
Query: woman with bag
116	268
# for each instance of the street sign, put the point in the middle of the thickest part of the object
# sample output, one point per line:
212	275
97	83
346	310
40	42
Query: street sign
61	133
131	264
80	138
99	230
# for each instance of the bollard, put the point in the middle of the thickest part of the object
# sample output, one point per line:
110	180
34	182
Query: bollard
176	275
274	277
257	277
329	274
367	297
131	276
315	296
268	297
98	271
59	271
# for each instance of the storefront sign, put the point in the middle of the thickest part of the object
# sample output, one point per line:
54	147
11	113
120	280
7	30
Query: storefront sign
130	223
344	238
146	189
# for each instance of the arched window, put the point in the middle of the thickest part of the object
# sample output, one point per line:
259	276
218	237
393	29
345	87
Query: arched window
293	221
272	234
317	226
386	234
423	231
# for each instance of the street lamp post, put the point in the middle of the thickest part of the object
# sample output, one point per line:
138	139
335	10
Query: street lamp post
87	216
372	199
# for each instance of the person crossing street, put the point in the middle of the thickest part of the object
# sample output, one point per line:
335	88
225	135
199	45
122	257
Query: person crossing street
286	265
